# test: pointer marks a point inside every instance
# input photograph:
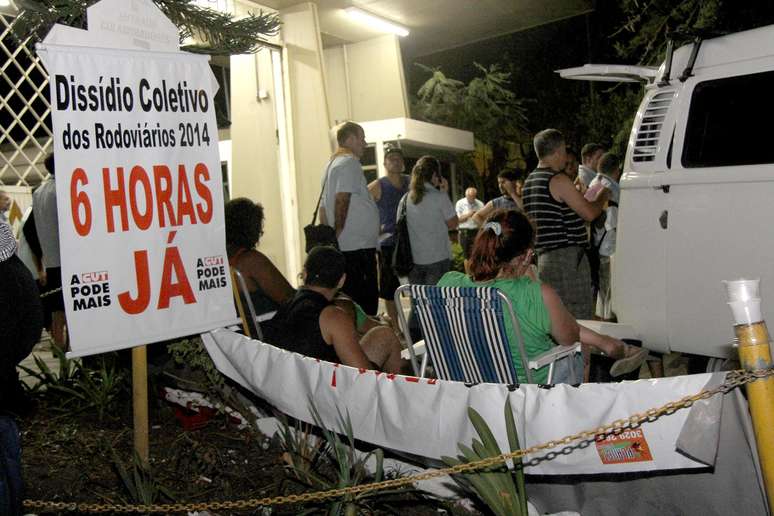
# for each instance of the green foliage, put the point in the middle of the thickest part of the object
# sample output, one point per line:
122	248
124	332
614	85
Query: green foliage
217	32
486	106
190	352
78	387
607	117
500	488
649	23
334	462
192	355
139	481
458	260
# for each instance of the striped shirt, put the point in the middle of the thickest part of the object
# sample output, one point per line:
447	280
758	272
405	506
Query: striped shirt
557	224
7	242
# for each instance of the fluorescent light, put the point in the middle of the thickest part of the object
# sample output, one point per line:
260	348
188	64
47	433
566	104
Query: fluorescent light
376	22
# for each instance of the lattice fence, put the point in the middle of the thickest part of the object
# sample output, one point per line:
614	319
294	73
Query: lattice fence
25	110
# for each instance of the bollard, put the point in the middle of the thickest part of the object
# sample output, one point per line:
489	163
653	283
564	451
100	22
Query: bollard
755	353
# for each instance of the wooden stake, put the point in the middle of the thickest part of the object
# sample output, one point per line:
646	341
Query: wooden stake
140	402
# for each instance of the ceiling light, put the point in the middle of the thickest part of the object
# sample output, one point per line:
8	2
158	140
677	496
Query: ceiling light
376	22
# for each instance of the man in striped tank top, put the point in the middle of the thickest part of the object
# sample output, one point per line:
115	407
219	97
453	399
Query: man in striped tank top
559	212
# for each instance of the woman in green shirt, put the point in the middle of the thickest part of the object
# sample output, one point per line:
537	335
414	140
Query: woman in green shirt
502	258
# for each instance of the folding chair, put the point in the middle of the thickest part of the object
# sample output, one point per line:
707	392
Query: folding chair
251	321
465	337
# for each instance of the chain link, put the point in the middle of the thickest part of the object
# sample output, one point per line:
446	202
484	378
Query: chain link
734	379
46	294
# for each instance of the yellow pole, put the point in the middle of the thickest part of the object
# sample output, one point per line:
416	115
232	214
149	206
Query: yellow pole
140	402
755	353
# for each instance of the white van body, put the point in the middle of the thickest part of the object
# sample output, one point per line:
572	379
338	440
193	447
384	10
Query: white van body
697	194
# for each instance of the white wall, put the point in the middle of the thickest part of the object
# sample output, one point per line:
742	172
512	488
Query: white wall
254	149
306	105
365	80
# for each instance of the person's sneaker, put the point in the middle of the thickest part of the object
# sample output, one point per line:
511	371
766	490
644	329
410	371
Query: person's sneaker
634	358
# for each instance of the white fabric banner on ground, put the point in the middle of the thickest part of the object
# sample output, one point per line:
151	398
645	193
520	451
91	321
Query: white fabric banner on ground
139	195
429	417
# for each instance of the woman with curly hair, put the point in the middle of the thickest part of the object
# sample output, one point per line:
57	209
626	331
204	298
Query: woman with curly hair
244	226
502	258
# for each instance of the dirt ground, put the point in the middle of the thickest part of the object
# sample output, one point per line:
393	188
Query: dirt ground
74	456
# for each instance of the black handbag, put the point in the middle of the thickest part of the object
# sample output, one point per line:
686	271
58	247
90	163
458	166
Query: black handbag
320	234
402	262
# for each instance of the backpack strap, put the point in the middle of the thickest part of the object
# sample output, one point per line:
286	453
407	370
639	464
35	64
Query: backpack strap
319	199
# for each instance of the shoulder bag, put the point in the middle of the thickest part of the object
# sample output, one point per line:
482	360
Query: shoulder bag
402	262
320	234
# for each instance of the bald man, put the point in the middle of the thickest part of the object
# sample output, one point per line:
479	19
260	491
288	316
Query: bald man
466	208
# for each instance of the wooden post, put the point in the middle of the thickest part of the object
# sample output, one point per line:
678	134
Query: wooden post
140	402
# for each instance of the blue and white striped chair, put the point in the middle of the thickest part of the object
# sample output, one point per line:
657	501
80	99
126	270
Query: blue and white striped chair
464	329
465	337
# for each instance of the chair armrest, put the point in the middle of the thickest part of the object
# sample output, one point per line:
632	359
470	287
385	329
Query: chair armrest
553	354
419	350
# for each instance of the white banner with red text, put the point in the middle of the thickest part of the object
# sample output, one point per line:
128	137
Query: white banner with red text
139	196
429	417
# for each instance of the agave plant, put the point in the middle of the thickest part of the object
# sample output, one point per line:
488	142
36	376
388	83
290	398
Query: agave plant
333	462
499	487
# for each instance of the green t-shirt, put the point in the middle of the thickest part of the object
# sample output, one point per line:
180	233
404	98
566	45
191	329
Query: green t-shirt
534	319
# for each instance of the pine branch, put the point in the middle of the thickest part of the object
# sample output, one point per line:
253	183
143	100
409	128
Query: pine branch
218	32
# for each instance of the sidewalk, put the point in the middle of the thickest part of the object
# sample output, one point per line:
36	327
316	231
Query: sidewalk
41	350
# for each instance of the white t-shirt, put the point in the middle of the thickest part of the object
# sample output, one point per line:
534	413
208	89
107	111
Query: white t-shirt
463	206
609	233
428	232
47	222
361	229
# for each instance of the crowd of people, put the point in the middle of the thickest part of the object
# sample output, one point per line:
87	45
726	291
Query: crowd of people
532	242
546	242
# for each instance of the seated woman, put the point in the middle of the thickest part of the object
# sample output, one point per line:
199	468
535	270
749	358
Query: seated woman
244	226
313	325
502	258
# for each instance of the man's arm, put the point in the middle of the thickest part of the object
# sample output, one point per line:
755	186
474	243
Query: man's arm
512	194
563	190
564	328
341	210
481	215
463	215
375	189
338	330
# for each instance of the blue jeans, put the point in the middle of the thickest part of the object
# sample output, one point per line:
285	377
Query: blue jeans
563	372
429	274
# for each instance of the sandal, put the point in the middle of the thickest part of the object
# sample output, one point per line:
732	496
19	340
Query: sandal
633	360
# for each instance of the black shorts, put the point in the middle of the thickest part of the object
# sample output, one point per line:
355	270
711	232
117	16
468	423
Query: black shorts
53	302
467	236
388	280
361	284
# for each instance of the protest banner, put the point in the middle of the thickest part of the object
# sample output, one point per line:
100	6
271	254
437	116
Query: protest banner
138	182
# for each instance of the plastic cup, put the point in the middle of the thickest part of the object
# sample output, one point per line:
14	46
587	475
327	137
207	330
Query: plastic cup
746	312
742	289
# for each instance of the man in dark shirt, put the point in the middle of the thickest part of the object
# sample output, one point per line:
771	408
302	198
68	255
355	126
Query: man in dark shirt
311	324
21	321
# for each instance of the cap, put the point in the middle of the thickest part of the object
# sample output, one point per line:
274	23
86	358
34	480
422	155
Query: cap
390	149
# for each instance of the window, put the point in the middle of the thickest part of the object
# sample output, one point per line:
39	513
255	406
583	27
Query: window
722	129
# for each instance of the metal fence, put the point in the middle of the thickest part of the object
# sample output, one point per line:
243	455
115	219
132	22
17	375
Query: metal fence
25	110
